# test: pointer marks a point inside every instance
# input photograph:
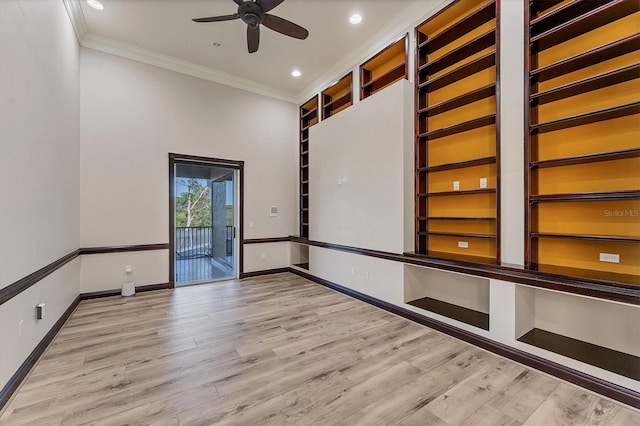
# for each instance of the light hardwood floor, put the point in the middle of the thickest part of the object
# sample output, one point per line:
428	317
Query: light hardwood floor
280	350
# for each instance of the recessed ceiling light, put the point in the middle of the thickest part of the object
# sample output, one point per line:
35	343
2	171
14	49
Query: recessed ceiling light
355	19
95	4
296	73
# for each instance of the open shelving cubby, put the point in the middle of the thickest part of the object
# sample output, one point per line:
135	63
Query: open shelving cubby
385	68
456	136
337	97
300	255
309	115
583	149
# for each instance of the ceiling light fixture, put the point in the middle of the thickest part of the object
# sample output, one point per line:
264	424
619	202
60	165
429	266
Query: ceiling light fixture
355	19
296	73
95	4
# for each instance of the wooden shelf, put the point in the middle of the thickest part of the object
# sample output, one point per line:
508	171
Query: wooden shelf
608	359
476	45
449	310
587	118
608	238
601	277
308	117
462	127
589	158
459	257
459	218
601	16
337	97
482	63
395	74
459	165
566	12
464	20
588	84
385	68
461	100
540	6
594	56
308	114
460	235
467	192
587	196
483	15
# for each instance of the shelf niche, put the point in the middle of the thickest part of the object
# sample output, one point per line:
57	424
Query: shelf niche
456	134
300	256
385	68
460	297
564	324
583	148
309	116
337	97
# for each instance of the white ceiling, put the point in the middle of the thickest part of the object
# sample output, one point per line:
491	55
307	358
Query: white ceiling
165	27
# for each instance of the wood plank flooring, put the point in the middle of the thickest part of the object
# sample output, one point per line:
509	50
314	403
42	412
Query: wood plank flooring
278	350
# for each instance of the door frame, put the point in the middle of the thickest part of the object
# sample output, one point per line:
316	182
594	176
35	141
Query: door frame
206	161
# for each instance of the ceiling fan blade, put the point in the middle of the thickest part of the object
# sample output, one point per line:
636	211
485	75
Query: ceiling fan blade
238	2
253	38
285	27
267	5
217	18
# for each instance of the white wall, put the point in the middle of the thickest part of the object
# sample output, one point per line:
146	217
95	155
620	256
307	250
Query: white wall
39	158
366	145
133	115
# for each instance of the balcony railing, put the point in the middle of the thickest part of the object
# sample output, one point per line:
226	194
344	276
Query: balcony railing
197	241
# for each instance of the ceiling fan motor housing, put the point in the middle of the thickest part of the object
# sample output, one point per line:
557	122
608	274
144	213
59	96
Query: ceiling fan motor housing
251	13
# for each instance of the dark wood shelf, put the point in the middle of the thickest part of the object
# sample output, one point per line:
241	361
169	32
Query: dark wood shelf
305	140
458	101
476	45
587	118
302	129
604	277
608	238
302	265
305	223
479	219
304	166
467	192
459	235
482	63
304	152
481	16
395	74
304	194
589	158
608	359
601	16
459	165
587	196
308	114
449	310
591	57
457	257
304	209
459	128
539	6
566	12
587	85
339	101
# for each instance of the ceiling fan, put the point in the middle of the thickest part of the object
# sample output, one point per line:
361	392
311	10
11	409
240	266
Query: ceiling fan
254	13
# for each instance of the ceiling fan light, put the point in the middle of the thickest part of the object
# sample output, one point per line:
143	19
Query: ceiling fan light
355	19
296	73
95	4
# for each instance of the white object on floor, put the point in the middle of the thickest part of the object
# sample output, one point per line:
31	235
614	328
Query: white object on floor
129	289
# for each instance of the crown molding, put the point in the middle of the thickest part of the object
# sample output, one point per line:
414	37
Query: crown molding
74	10
149	57
411	16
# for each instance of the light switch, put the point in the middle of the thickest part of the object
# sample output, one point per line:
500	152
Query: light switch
274	212
483	183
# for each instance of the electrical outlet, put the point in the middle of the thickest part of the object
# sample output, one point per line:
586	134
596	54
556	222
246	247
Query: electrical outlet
609	257
463	244
353	271
263	256
456	185
339	181
483	183
20	327
128	269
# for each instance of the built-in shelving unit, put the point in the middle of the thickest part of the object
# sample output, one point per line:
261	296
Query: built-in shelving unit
457	145
337	97
385	68
309	115
583	149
